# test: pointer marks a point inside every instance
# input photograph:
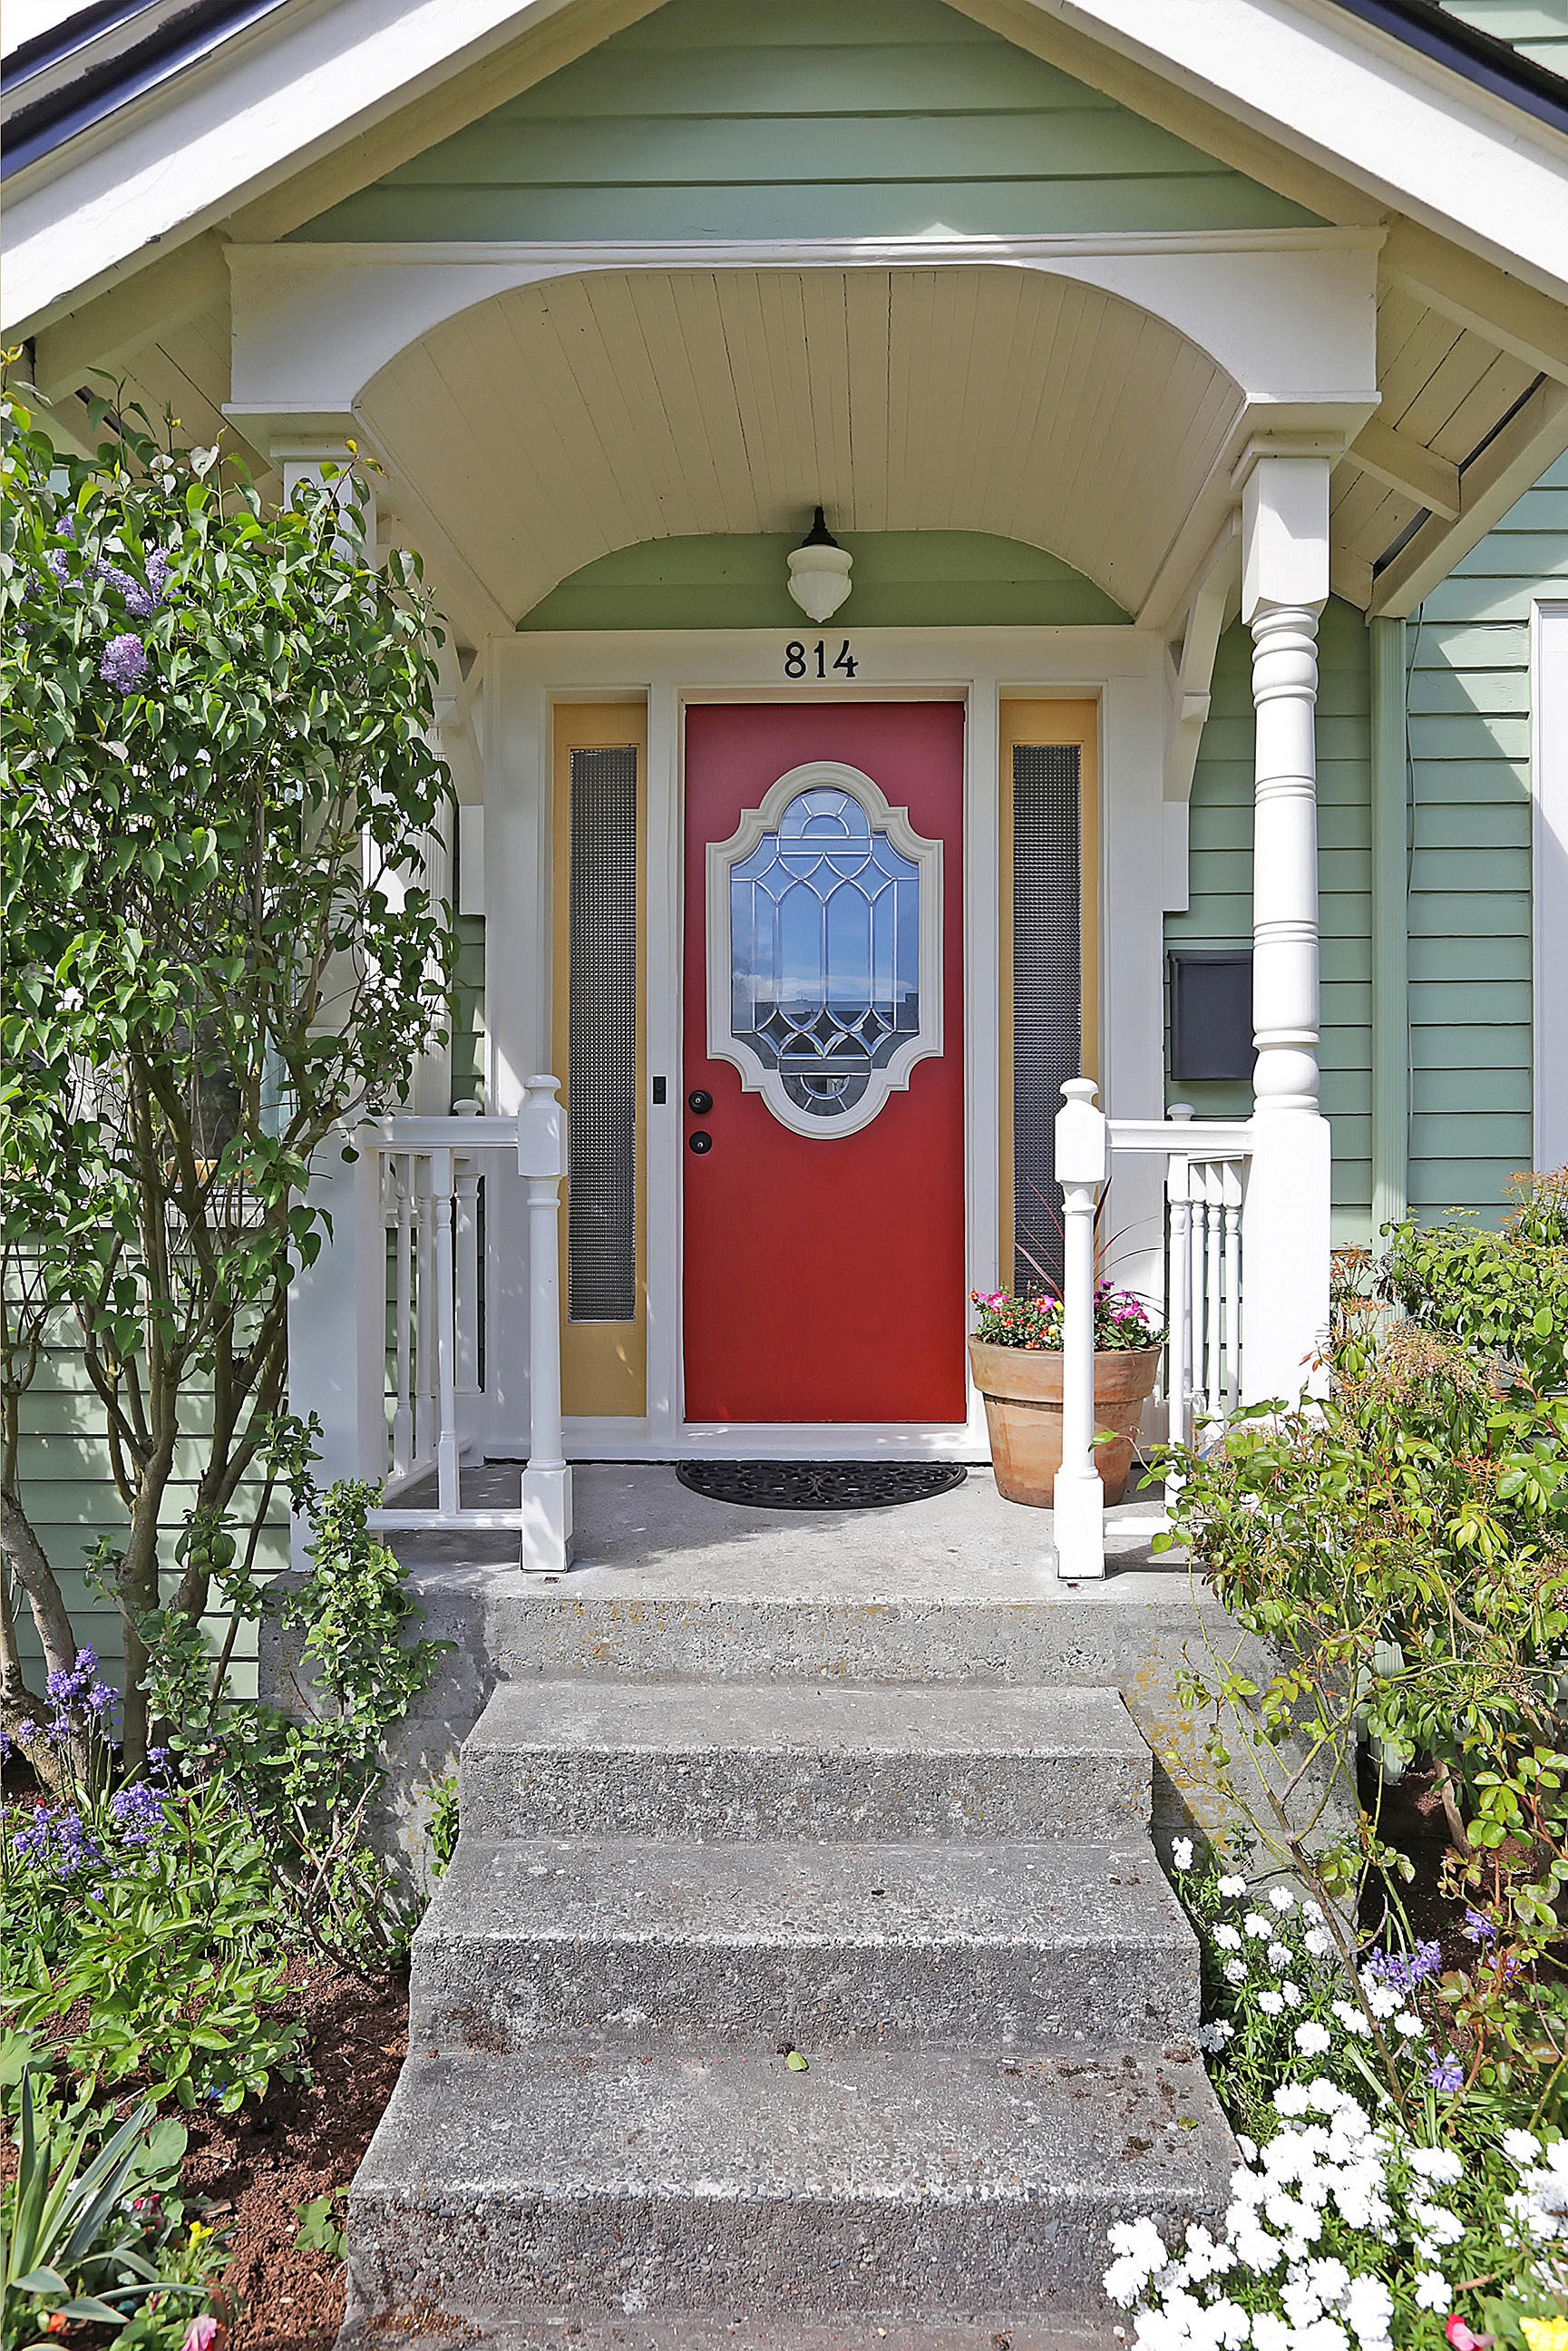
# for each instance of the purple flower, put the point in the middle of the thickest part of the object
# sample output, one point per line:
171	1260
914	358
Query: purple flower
1479	1928
1446	2073
100	1697
27	1731
124	665
142	603
137	1812
1406	1970
159	1759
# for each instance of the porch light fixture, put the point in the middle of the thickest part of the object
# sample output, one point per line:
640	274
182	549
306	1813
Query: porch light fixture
819	572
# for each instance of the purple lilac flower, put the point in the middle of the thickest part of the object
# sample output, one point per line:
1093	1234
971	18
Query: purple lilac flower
124	665
1446	2073
142	603
1406	1970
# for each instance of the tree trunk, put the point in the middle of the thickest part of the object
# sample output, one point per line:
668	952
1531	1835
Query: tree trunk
136	1587
25	1560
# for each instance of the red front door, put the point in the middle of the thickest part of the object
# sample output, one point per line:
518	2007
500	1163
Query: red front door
824	1270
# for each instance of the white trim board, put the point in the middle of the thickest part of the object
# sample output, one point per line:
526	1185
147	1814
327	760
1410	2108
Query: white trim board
1549	877
1119	669
299	86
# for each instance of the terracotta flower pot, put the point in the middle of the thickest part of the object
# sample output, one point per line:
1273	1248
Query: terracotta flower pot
1022	1388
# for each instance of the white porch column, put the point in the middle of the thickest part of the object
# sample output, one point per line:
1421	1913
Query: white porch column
336	1324
1285	585
547	1480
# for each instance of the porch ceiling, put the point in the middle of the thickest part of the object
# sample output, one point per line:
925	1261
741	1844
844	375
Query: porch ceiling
558	422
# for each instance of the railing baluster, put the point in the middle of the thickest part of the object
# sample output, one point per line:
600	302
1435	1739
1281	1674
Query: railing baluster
402	1418
1179	1342
1232	1199
1198	1401
446	1480
424	1309
467	1276
1214	1361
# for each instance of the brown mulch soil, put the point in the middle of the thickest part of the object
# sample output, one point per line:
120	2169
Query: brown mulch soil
256	2168
304	2141
1412	1819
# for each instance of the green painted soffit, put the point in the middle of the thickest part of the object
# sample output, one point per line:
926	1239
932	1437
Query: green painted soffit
901	580
803	119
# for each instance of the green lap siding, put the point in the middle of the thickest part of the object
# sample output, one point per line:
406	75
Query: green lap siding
1470	1007
1219	912
818	118
67	1491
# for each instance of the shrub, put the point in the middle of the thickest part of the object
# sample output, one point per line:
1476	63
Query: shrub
307	1788
219	941
1352	2215
1501	1295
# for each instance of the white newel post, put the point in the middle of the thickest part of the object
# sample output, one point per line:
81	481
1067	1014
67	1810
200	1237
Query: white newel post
1079	1501
547	1480
1285	584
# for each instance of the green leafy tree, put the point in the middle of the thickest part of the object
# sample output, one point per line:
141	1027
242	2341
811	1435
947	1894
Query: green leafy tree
219	943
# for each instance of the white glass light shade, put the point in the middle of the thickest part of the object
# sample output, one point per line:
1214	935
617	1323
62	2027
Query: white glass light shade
819	580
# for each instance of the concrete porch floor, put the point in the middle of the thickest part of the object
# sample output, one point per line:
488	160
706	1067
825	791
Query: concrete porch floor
638	1532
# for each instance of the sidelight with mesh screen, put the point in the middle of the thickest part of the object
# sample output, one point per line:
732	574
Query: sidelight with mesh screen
602	1039
1047	1026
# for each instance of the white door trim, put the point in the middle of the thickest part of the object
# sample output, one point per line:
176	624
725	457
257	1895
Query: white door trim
1118	668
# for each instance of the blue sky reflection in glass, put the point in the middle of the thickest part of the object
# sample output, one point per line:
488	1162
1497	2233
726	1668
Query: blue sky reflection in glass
824	929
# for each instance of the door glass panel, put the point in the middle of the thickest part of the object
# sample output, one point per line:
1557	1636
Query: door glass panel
1047	1041
601	1041
824	951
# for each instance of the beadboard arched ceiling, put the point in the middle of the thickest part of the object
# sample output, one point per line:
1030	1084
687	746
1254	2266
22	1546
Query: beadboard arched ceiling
555	423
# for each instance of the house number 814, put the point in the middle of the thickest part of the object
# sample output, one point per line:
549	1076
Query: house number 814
797	660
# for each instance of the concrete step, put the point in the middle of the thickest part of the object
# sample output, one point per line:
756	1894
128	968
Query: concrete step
923	2182
564	2329
967	1943
757	1762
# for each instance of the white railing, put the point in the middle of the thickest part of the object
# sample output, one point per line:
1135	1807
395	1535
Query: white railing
1207	1166
430	1174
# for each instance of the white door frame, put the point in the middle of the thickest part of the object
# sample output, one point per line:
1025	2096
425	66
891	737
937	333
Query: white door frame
526	676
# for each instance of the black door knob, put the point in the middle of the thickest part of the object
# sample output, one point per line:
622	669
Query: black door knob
699	1102
699	1142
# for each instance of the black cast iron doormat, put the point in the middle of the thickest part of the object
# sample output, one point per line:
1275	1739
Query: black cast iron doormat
819	1485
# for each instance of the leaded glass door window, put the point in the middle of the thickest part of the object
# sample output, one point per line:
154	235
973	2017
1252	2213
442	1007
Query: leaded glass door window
824	964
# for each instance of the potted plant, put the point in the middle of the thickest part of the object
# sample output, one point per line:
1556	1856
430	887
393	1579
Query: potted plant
1016	1357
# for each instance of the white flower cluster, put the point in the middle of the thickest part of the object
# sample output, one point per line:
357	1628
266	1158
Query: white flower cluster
1538	2205
1326	2156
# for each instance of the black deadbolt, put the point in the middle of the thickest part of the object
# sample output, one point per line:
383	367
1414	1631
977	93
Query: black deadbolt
699	1142
699	1102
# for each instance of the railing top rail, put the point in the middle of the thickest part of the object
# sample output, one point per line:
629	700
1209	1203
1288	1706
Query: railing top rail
1196	1138
407	1133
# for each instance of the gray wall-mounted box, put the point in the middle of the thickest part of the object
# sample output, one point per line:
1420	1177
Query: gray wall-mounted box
1211	1013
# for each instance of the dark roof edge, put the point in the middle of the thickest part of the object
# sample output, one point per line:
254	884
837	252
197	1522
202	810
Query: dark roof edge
1480	58
100	90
